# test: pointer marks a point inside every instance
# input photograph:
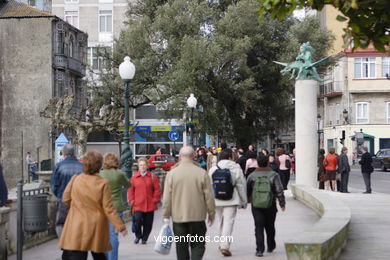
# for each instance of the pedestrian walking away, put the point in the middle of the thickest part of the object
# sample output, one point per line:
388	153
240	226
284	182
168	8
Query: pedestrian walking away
241	159
366	166
263	188
284	166
251	163
86	227
330	165
321	174
344	169
118	182
226	209
60	178
188	200
144	195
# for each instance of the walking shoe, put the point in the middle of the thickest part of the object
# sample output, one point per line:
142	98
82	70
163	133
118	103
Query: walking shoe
270	250
136	241
259	254
144	242
226	252
367	192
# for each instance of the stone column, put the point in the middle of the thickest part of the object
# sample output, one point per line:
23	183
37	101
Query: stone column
306	132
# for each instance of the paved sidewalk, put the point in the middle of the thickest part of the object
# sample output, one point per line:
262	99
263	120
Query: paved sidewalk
296	218
369	236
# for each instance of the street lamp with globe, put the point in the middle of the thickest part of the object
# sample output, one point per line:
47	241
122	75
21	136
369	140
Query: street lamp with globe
127	71
191	102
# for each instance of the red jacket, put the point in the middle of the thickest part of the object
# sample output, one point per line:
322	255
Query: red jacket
330	162
144	193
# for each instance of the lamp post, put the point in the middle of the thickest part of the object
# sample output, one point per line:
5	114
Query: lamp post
191	102
319	131
127	71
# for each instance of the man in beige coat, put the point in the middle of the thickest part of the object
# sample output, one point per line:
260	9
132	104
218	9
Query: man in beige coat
188	199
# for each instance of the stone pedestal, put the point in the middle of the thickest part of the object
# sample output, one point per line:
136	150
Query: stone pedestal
306	132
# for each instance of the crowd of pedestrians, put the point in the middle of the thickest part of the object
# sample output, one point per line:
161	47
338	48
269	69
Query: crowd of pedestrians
206	185
334	169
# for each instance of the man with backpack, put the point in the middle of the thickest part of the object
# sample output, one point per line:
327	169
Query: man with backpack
229	188
263	187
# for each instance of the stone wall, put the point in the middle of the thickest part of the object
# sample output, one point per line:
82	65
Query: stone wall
27	80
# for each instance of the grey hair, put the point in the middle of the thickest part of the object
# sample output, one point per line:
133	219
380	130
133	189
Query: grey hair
68	150
187	151
344	149
365	148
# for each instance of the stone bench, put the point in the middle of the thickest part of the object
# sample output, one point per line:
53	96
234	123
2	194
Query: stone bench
329	235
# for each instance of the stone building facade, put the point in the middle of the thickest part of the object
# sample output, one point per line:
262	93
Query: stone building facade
356	98
43	58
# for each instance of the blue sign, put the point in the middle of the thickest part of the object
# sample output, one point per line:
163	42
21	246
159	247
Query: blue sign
173	136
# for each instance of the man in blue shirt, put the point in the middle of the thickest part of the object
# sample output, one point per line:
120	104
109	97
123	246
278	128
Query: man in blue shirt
60	177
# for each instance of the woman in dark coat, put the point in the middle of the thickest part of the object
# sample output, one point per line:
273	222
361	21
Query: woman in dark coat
3	189
321	177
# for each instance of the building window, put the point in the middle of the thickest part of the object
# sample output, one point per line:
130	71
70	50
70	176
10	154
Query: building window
364	68
385	66
362	112
72	17
32	2
388	112
71	1
96	57
105	21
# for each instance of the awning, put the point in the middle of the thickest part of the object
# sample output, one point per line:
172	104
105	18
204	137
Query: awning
365	135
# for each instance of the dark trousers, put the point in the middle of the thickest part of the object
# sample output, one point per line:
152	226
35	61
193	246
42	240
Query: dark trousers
265	220
344	181
321	186
367	180
81	255
143	224
284	177
197	248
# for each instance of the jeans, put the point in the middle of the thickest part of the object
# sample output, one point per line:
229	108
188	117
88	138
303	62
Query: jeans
367	181
143	224
114	241
225	217
265	220
284	177
197	247
344	181
81	255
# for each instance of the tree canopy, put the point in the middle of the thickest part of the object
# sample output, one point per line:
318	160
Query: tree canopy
368	20
221	53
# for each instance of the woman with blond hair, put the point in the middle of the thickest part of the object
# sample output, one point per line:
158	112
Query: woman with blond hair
117	181
86	227
144	195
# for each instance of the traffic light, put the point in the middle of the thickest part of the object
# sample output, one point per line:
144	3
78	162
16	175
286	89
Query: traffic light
342	137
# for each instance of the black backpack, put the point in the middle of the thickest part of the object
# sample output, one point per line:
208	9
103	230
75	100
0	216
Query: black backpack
222	184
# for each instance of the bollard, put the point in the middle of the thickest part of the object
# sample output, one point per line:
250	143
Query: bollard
19	228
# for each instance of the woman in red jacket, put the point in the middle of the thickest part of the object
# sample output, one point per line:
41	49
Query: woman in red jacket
330	165
144	195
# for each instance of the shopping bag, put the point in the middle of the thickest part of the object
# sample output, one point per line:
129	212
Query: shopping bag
164	241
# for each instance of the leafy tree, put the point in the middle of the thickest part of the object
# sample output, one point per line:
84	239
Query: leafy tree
218	51
368	20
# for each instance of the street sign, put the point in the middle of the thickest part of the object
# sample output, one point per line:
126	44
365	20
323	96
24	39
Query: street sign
173	136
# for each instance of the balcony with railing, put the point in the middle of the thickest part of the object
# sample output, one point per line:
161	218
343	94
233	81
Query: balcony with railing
330	89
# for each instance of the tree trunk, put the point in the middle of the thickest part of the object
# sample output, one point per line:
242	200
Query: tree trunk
82	135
